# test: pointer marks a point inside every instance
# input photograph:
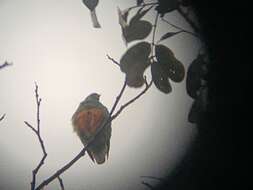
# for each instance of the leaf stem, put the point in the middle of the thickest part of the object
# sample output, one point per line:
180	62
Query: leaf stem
179	28
153	36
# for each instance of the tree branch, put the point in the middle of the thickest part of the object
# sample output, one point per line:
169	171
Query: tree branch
110	119
37	132
132	100
5	64
82	152
61	183
2	117
118	97
110	58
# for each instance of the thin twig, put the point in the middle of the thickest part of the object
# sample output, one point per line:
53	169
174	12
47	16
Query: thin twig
5	64
118	97
37	132
82	152
186	17
132	100
61	183
181	29
2	117
113	60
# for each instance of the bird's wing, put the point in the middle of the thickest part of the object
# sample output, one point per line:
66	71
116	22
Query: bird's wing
88	121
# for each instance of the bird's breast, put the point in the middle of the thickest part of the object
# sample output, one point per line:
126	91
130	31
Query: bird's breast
88	121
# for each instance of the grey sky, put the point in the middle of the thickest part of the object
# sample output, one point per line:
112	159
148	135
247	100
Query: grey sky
54	44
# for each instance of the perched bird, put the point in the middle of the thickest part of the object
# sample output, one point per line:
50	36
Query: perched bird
90	116
91	5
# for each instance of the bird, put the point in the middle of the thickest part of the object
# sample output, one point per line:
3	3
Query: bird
89	117
91	5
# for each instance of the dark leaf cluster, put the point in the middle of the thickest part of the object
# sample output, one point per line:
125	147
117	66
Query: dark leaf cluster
136	28
164	65
197	88
166	6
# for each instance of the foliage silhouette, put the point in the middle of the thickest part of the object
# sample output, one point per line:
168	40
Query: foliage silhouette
134	62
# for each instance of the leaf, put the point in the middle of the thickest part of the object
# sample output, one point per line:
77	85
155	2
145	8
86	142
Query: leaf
123	15
168	35
176	71
135	78
194	75
172	66
139	2
137	31
166	6
160	78
90	4
134	62
137	53
137	17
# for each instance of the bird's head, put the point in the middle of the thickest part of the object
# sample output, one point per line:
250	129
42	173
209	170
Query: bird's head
93	97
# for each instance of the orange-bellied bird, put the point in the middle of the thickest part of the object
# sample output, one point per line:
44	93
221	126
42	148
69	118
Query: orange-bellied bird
89	117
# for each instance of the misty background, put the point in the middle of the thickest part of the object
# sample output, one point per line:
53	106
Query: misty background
54	44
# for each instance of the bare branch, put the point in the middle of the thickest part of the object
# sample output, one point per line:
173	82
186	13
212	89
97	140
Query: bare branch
82	152
61	183
32	128
2	117
112	60
37	132
5	64
118	97
132	100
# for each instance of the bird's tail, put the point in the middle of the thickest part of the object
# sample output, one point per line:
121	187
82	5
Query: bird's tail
94	19
98	154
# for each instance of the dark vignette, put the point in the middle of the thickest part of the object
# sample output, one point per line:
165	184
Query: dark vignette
208	164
